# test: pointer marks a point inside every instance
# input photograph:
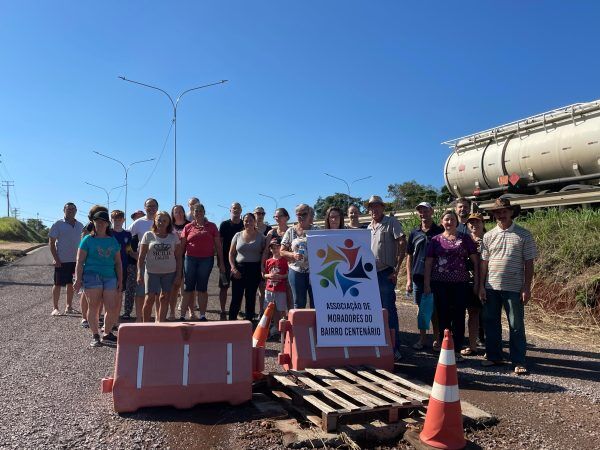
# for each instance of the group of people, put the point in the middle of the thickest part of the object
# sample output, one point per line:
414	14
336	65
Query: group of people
467	269
451	268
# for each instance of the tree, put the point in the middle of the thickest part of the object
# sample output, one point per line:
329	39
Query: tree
410	193
444	197
340	200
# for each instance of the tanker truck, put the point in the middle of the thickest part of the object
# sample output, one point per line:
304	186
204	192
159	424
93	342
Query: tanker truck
553	151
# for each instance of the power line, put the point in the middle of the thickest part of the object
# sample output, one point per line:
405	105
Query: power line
158	159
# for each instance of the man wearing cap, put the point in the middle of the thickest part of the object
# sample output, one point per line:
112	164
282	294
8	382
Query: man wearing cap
227	230
415	262
507	256
388	244
64	237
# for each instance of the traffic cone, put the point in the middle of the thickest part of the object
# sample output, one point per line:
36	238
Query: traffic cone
443	427
259	338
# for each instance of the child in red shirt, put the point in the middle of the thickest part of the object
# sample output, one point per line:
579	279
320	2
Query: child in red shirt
276	273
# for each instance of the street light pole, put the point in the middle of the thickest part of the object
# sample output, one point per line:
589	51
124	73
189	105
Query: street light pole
106	192
174	104
126	169
277	200
348	185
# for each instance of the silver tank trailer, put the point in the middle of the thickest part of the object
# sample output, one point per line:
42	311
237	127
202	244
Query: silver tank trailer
558	147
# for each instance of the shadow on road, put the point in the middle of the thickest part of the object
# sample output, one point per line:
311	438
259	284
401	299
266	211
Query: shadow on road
18	283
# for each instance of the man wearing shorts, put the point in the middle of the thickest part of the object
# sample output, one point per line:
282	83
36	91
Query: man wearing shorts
227	230
64	237
276	273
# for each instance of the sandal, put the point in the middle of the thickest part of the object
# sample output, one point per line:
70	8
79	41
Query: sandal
468	351
521	370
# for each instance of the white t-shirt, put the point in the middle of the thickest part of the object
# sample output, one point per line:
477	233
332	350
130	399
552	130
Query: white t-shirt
140	226
161	252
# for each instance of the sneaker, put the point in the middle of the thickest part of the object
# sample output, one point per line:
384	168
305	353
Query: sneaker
223	315
95	341
84	324
109	338
182	319
397	355
203	319
55	312
436	346
69	310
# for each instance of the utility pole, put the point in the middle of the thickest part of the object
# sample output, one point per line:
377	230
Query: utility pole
15	212
7	185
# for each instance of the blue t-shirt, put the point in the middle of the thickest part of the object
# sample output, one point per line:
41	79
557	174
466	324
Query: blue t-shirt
123	237
100	255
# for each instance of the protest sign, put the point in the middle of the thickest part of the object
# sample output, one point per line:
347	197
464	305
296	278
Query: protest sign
345	288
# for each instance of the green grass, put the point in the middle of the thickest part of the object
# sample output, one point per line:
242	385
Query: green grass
13	230
568	241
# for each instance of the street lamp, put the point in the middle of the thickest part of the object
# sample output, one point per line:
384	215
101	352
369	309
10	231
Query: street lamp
276	200
348	185
174	103
105	191
126	169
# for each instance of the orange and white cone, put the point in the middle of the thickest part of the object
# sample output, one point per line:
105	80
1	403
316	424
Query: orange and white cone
259	338
443	427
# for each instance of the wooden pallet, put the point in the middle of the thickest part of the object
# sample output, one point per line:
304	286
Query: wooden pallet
328	397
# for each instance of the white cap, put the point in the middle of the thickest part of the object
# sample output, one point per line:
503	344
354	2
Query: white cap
424	204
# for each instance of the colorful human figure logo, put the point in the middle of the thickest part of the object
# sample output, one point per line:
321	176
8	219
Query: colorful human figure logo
341	268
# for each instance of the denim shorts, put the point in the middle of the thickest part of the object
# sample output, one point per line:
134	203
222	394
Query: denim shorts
159	282
197	271
93	280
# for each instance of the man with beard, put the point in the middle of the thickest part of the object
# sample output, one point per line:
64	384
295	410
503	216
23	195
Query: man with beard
462	207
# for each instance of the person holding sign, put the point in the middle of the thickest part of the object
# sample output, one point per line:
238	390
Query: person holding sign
293	248
388	244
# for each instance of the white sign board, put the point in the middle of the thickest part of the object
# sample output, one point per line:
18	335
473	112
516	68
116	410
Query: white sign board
345	289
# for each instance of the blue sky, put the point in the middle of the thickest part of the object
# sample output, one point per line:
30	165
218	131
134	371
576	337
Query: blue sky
352	88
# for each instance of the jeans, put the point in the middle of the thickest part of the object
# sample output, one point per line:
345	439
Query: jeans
388	301
515	313
426	307
197	271
130	288
300	284
246	286
451	303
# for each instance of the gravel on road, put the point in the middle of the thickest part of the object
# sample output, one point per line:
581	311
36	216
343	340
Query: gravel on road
51	386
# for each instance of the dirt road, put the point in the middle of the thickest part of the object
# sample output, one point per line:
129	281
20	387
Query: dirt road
50	379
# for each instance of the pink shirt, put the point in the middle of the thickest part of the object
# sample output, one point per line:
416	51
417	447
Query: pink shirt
200	240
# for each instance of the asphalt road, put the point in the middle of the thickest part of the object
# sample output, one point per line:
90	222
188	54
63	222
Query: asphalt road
51	379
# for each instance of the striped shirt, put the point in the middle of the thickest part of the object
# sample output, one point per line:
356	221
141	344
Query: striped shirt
506	252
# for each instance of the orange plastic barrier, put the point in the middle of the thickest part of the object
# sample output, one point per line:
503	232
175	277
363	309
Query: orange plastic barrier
182	364
300	351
